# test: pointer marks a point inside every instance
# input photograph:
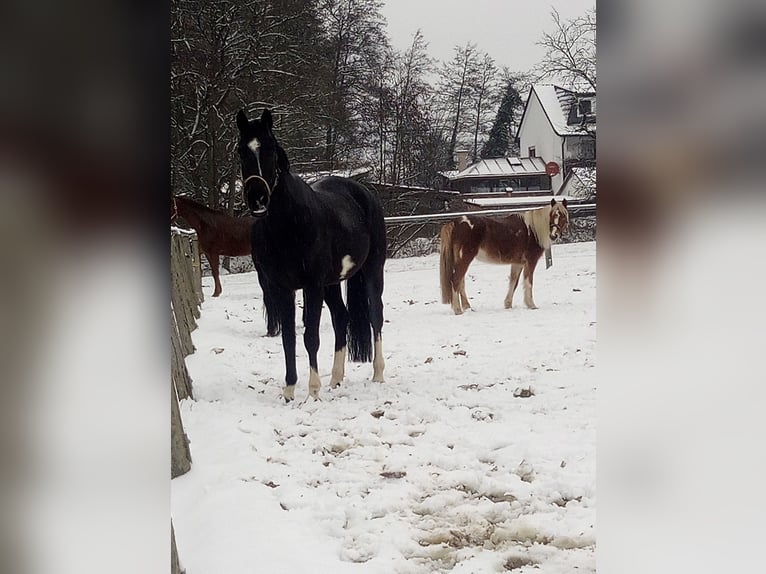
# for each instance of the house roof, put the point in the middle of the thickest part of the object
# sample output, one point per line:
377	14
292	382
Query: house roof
499	202
503	166
556	103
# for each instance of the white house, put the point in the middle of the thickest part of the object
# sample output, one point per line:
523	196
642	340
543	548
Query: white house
559	125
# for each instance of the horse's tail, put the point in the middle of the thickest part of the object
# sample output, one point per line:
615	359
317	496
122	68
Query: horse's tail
447	262
359	327
270	309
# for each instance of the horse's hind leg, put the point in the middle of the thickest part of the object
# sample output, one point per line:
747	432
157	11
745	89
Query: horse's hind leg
334	300
463	296
373	279
529	272
513	282
312	313
214	260
463	258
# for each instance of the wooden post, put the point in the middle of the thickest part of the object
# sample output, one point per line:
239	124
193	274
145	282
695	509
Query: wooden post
180	374
197	270
175	565
180	455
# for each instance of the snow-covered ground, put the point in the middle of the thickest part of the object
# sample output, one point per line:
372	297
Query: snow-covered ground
441	468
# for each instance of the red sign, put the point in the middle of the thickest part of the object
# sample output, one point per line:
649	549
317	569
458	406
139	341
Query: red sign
552	168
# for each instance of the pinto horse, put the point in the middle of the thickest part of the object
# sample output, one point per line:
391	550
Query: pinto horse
312	238
519	239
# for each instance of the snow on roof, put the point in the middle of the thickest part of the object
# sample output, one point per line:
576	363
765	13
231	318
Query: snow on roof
503	166
556	102
534	201
311	177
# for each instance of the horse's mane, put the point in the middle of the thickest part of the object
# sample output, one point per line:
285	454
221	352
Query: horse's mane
282	161
538	222
194	204
207	215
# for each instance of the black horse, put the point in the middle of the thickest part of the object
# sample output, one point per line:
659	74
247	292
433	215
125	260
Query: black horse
312	238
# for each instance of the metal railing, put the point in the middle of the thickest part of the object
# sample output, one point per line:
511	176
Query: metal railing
576	209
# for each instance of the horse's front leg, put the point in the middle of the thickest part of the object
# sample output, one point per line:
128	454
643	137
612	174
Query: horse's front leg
312	313
334	300
285	302
529	274
214	260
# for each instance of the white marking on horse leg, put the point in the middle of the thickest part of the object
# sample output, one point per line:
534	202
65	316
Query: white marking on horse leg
528	294
254	145
347	264
338	368
464	296
456	303
465	220
289	393
378	363
314	384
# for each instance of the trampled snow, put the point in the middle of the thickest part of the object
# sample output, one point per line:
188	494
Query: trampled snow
450	465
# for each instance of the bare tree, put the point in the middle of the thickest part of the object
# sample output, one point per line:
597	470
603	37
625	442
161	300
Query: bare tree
484	92
570	51
457	77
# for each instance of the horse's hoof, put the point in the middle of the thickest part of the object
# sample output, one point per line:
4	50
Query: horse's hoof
216	293
334	385
289	393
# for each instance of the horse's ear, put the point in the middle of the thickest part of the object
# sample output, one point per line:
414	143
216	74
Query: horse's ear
242	122
266	118
564	202
553	201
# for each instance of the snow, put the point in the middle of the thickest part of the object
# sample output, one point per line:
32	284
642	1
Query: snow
548	94
533	201
446	466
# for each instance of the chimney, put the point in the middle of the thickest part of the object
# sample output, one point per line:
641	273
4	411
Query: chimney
461	159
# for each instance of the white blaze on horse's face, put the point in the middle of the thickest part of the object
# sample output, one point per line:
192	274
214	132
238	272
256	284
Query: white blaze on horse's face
555	226
254	145
347	264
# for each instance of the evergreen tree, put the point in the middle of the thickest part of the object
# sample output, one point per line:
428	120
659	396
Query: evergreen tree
501	135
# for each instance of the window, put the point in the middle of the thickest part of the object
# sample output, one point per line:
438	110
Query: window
585	107
532	152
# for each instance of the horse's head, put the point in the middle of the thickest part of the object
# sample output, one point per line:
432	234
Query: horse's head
559	218
258	153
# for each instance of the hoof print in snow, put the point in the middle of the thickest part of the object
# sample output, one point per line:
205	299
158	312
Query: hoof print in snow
525	471
429	360
459	352
377	414
518	562
270	484
283	507
217	350
393	474
524	393
481	415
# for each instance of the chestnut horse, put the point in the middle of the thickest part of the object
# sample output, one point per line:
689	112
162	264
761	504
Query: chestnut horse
218	233
519	239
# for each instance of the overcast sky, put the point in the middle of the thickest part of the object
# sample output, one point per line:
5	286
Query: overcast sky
506	29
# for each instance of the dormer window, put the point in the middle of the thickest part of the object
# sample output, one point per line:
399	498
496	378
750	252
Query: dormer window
585	107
